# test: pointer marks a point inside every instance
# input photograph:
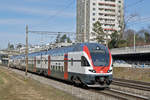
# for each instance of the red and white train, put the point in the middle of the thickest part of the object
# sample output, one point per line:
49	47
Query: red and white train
85	63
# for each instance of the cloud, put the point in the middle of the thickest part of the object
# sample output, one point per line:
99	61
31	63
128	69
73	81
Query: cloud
17	21
35	0
37	11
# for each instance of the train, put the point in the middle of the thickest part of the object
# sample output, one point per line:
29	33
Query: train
89	64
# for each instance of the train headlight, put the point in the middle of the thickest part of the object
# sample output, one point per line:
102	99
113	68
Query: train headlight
109	71
91	70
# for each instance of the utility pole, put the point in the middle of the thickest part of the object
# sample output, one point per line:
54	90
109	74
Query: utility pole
84	33
26	50
134	42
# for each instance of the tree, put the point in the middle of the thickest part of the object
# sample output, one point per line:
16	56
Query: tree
127	19
139	37
147	37
129	36
69	40
114	40
64	38
122	43
98	33
10	46
58	38
19	46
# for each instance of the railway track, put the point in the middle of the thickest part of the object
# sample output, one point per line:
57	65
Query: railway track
132	84
121	95
108	94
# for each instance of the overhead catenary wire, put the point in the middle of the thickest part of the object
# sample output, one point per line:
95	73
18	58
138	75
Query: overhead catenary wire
53	16
47	32
133	4
141	22
146	19
52	33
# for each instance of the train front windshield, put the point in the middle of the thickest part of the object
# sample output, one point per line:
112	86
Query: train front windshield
100	57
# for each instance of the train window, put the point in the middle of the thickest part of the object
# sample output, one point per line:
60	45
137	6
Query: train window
84	61
45	61
71	61
38	61
32	62
62	68
59	68
53	67
59	64
56	68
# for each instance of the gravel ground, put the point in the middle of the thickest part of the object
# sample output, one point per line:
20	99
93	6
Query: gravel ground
75	91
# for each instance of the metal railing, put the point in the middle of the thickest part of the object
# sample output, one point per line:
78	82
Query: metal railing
128	50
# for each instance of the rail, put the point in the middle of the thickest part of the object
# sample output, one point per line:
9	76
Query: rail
132	84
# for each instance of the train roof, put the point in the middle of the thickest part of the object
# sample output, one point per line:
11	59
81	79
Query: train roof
72	48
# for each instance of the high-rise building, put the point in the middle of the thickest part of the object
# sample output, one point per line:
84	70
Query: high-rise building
110	13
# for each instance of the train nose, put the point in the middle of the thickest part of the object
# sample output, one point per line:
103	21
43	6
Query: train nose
108	82
100	80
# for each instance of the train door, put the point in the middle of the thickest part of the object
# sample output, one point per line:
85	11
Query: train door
49	64
34	69
42	64
41	61
66	66
38	63
45	64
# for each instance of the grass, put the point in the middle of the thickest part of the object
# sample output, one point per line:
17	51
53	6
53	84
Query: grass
1	81
17	88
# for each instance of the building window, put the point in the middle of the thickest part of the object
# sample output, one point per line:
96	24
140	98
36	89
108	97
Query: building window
110	15
101	14
119	1
100	19
94	3
110	25
109	20
111	0
107	4
111	10
93	14
119	6
101	8
93	19
94	9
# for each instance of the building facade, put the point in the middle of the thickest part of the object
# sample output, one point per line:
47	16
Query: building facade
110	13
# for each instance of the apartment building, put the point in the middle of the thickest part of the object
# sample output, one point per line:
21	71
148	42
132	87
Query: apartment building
108	12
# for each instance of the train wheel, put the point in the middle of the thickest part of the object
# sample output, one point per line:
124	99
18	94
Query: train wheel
76	81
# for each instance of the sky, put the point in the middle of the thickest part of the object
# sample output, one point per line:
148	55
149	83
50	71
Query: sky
52	15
